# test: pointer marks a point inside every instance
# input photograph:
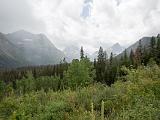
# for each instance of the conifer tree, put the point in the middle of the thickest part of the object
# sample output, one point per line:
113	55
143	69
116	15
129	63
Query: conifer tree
111	59
100	68
95	62
140	49
145	56
132	57
110	72
153	48
138	54
125	62
105	55
81	54
158	50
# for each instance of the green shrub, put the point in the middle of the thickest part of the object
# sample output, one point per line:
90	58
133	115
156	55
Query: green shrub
79	74
2	89
7	107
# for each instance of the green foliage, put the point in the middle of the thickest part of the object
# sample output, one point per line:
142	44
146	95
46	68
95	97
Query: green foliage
79	74
140	97
100	66
30	84
7	107
81	54
2	89
137	98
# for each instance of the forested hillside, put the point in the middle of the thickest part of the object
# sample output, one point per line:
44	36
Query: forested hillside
125	88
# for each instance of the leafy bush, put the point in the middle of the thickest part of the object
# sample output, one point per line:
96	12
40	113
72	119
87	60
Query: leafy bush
2	89
79	74
30	84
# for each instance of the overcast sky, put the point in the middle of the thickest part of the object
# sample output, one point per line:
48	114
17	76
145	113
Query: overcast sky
90	23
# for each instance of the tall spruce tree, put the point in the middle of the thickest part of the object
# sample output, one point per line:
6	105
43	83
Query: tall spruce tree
100	55
95	62
125	58
145	56
81	54
153	48
110	71
111	59
140	48
158	50
105	56
132	57
100	67
138	54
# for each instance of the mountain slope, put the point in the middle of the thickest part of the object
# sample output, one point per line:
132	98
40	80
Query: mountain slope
115	49
71	52
23	48
36	48
10	55
145	41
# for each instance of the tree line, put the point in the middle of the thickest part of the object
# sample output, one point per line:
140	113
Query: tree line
109	69
82	72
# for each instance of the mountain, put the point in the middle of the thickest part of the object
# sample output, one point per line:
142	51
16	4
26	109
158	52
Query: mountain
145	41
23	48
71	52
10	55
115	49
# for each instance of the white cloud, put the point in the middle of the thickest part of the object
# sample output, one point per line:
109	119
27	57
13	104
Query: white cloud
111	21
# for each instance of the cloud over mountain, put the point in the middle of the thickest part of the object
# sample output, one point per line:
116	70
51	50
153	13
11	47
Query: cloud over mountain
107	22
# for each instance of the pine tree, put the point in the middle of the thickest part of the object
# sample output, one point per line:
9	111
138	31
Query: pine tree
138	54
140	48
125	58
158	50
100	55
110	72
145	56
153	48
81	54
100	68
153	42
105	55
111	59
95	62
132	57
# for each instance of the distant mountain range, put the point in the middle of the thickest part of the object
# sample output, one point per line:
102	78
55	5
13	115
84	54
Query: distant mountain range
73	52
10	55
145	41
23	48
115	49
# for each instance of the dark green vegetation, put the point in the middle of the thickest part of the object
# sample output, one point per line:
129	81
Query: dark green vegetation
115	88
